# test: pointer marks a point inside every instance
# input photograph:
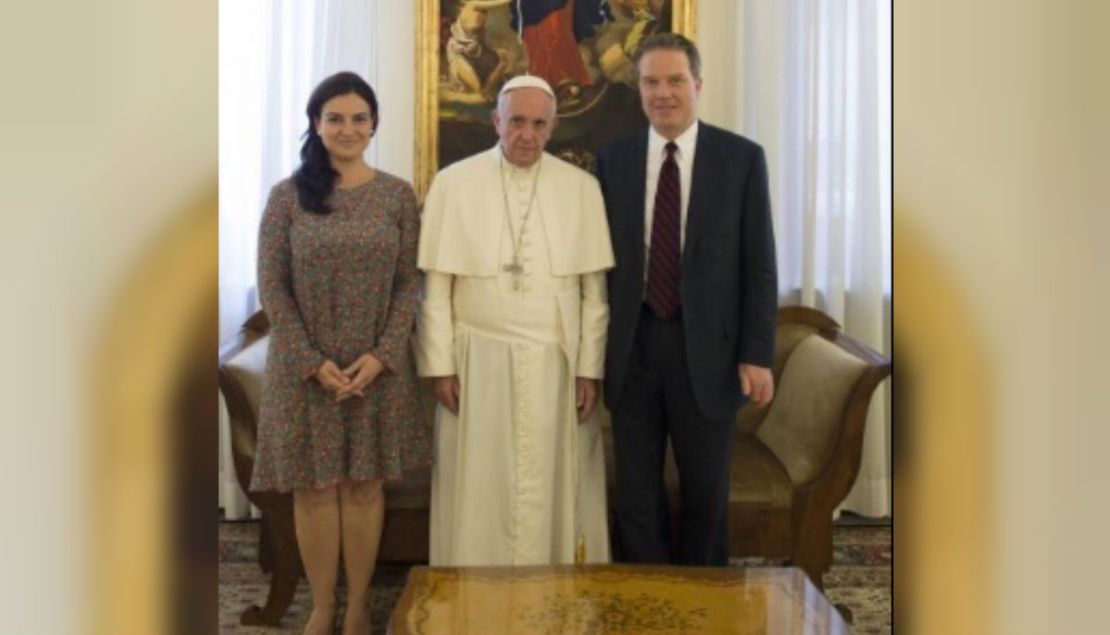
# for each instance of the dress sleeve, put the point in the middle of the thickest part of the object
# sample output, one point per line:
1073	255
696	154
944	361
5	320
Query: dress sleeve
392	345
275	286
595	322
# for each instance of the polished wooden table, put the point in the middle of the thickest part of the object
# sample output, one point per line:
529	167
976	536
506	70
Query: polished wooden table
611	599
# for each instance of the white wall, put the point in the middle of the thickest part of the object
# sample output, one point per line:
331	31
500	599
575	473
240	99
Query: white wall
395	70
720	48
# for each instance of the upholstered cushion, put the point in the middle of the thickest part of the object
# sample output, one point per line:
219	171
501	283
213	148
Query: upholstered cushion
248	368
801	427
757	475
748	420
787	337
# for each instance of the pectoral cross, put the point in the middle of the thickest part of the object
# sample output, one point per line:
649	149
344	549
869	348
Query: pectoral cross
517	270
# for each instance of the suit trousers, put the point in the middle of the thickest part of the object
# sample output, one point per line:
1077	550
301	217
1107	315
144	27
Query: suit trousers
658	402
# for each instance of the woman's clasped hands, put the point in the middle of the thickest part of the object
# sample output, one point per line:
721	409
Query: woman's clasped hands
351	381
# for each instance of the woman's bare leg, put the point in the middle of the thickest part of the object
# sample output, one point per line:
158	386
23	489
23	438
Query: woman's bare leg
316	515
362	511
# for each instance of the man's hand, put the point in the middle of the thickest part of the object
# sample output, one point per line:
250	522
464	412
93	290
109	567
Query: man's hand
330	377
757	383
585	397
361	374
447	392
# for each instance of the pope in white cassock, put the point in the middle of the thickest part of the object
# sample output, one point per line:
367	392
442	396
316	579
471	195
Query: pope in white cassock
515	245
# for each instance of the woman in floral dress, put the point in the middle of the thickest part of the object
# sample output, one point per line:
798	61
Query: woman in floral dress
338	279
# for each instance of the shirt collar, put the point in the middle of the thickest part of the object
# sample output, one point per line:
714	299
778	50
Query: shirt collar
684	141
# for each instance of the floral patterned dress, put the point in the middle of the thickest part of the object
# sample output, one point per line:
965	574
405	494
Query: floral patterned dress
337	286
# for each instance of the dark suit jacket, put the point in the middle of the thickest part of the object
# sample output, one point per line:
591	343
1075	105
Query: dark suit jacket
729	285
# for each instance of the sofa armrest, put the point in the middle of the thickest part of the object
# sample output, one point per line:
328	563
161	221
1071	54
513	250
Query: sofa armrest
241	376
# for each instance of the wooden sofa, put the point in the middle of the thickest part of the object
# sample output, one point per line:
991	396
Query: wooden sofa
793	462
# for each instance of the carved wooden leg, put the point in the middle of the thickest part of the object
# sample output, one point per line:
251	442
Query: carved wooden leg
813	551
813	544
287	568
265	545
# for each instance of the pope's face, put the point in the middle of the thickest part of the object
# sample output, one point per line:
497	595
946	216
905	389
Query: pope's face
524	119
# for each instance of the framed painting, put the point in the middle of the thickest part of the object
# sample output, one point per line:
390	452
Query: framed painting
466	50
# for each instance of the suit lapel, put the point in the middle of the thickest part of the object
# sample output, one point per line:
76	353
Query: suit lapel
706	172
636	179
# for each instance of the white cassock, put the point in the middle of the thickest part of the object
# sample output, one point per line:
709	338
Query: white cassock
517	479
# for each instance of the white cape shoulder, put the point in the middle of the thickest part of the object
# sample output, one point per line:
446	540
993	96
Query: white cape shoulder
464	218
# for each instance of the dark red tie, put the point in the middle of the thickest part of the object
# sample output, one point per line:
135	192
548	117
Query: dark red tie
664	261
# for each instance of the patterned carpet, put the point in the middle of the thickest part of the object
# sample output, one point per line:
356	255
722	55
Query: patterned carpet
860	579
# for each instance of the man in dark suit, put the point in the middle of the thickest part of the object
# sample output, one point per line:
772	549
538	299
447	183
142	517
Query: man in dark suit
692	307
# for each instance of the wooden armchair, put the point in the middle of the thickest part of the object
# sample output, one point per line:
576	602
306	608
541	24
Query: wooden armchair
794	462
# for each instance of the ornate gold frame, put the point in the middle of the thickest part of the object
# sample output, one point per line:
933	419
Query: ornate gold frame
427	82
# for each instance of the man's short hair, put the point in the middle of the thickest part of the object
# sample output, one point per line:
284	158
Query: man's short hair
671	41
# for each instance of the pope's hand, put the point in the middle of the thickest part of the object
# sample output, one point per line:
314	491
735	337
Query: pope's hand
447	392
585	397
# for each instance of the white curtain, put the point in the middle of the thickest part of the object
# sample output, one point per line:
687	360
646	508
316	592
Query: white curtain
815	91
272	54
